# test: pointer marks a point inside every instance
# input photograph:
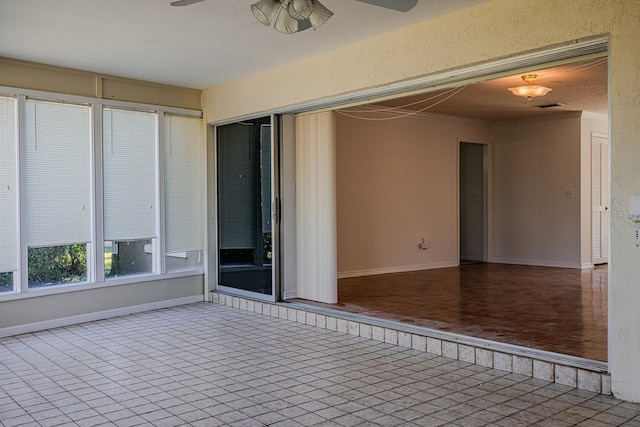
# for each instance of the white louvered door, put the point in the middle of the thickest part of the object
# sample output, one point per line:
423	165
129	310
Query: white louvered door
600	198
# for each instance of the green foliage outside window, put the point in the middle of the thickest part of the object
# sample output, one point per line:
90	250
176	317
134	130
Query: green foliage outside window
52	265
57	264
6	282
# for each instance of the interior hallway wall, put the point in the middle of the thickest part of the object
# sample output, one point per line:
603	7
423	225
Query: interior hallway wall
536	192
396	183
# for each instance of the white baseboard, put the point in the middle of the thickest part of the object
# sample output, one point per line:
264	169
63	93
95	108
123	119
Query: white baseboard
400	269
537	263
98	315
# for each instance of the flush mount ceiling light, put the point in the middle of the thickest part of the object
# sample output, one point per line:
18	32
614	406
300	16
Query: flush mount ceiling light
530	90
291	16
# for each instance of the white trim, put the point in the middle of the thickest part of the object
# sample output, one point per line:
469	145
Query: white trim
98	315
537	263
159	256
210	217
97	177
22	275
399	269
593	115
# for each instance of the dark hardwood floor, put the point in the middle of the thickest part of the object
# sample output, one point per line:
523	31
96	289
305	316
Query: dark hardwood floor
554	309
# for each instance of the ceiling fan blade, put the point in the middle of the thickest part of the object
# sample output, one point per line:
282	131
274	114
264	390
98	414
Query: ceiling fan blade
399	5
184	2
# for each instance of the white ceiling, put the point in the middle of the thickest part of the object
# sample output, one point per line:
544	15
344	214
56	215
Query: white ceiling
198	46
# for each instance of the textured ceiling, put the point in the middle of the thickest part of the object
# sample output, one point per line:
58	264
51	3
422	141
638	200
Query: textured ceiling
196	46
580	86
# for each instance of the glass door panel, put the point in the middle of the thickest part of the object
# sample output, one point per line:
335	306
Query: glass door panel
244	198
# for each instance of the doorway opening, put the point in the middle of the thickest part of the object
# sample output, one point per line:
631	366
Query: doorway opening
245	195
534	225
473	196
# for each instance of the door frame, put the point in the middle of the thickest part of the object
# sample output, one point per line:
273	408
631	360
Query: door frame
213	264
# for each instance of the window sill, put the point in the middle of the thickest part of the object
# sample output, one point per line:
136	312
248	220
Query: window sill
128	280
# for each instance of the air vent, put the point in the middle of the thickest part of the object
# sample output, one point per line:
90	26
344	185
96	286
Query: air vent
550	105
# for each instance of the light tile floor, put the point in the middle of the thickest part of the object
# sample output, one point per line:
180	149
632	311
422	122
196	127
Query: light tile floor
213	365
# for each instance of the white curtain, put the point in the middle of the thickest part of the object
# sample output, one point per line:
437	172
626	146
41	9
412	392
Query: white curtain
316	207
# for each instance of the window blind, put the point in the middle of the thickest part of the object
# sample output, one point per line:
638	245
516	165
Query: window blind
183	184
8	196
58	157
129	156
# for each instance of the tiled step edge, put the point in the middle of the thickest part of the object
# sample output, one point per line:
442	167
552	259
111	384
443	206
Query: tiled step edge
584	379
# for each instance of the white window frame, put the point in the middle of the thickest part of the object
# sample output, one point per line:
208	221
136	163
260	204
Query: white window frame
95	249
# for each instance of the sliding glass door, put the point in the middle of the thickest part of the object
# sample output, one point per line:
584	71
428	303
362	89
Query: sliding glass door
247	221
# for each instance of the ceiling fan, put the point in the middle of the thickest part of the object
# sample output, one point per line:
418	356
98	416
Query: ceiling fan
292	16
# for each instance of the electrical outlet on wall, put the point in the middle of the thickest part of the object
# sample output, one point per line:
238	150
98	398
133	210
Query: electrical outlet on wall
424	244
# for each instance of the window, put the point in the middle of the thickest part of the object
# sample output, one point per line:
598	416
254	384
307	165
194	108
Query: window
81	183
183	189
130	208
8	194
58	191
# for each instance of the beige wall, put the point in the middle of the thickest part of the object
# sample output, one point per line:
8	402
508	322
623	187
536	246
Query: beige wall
396	183
29	75
36	313
534	163
492	30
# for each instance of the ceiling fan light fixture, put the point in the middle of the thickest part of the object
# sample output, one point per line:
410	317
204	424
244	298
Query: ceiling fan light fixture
319	15
530	90
291	16
300	9
284	23
265	10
